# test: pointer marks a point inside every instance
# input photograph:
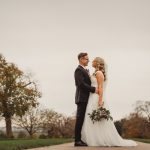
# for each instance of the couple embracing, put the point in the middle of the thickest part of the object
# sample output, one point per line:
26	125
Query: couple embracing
90	94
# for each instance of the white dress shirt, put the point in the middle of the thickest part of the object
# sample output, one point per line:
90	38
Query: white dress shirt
83	66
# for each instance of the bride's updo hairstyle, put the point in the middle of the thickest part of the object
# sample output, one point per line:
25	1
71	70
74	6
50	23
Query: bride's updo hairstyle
100	66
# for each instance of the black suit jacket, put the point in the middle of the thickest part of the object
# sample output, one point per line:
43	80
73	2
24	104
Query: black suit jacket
83	85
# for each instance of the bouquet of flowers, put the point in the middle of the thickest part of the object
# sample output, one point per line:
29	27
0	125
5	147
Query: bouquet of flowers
99	114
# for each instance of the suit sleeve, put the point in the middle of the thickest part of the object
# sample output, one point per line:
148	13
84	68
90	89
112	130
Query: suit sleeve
79	78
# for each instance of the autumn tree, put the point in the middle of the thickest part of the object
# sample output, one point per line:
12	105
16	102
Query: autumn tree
143	108
66	126
134	126
58	125
17	93
50	122
30	121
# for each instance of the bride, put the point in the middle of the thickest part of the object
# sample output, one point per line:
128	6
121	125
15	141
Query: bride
102	133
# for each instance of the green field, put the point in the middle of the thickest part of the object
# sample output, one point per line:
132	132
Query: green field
142	140
25	144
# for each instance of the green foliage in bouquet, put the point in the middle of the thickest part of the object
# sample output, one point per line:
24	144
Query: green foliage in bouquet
99	114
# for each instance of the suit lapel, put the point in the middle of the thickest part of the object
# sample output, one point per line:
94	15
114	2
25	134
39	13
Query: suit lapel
80	67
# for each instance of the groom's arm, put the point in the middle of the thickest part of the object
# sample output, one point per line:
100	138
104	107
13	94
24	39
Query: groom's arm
79	78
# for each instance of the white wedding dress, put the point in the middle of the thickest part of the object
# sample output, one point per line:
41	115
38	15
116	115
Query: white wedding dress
102	133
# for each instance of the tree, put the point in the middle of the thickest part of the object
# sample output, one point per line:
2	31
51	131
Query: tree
134	126
66	126
17	93
21	134
56	124
30	121
143	108
119	126
50	122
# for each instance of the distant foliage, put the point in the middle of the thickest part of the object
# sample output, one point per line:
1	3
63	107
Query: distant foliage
2	135
137	124
119	126
43	136
56	124
22	134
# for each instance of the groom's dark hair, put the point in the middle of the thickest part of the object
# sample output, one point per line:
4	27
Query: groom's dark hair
82	55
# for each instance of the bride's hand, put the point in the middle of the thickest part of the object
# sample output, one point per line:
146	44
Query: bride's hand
101	103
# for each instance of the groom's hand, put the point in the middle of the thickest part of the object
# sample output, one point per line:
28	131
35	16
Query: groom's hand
96	90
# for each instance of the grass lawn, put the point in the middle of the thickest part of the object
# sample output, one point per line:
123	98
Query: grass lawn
142	140
19	144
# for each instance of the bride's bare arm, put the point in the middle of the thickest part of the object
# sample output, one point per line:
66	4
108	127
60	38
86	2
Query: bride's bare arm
100	80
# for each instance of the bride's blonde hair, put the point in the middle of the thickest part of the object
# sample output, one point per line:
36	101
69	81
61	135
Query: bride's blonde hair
100	66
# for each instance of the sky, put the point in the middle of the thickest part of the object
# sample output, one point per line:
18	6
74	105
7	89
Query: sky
44	37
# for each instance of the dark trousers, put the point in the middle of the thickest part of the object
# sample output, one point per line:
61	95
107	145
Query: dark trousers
81	108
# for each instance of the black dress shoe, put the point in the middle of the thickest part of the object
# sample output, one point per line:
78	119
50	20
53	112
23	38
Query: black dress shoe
83	142
80	143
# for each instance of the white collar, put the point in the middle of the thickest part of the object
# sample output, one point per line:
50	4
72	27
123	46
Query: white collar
83	66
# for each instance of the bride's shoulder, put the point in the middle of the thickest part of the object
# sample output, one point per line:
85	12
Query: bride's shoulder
99	74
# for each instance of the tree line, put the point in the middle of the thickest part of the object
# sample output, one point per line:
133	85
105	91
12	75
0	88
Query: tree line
137	123
19	105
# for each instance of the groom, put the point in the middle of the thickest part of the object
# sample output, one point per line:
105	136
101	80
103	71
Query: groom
83	89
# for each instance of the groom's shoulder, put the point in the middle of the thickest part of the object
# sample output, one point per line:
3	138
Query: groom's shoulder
79	68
